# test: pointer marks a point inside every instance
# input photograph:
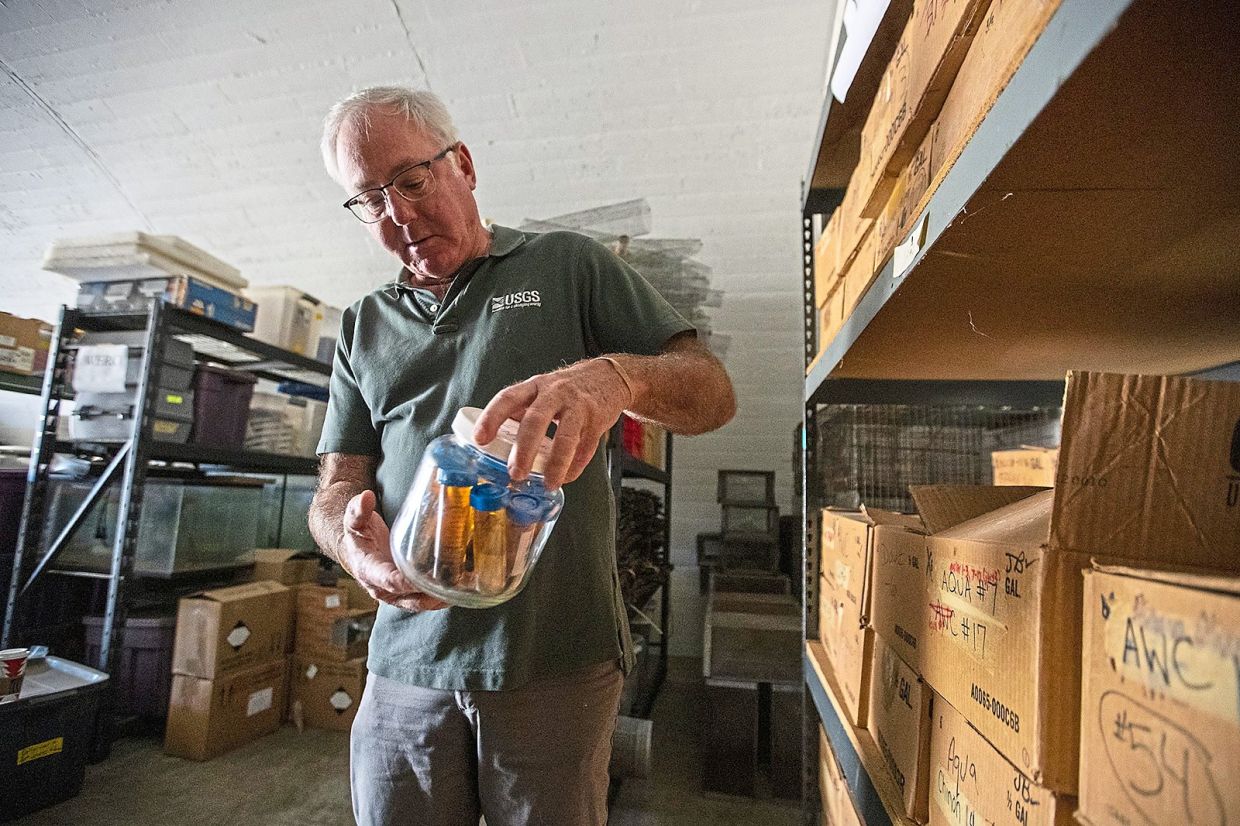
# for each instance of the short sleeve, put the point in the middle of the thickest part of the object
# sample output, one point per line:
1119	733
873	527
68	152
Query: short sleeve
626	314
347	427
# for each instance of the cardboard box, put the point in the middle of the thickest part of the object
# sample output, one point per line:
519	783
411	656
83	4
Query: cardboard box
328	628
827	255
831	317
970	782
847	552
287	566
1170	444
861	273
837	806
225	630
1025	466
1160	731
1007	31
905	203
209	717
24	344
899	719
326	694
931	51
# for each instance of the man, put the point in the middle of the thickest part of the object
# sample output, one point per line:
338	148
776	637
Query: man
506	712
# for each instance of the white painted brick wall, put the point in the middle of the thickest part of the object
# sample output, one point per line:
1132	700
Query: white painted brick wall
208	116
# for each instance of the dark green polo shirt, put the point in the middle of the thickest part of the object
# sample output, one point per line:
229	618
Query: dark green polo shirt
406	362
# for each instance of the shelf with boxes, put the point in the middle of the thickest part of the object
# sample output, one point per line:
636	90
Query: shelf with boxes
1042	624
162	406
1024	197
1030	195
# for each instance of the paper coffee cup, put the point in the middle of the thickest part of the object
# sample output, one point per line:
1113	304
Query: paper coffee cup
12	670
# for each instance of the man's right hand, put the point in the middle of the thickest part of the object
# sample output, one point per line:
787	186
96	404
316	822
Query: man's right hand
368	556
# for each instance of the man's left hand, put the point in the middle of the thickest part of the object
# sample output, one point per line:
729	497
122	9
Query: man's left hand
584	400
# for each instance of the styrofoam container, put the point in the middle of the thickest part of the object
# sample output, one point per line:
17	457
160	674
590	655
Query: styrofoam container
287	318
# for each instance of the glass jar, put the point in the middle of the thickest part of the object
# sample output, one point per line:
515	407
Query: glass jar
466	532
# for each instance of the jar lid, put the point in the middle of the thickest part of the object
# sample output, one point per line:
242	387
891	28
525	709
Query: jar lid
505	440
486	497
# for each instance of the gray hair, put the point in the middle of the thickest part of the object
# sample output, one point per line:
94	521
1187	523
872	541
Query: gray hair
423	109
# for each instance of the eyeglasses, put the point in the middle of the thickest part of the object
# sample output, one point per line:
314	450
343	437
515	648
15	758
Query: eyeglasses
412	184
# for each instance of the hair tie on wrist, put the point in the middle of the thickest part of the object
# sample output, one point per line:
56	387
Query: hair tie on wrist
623	377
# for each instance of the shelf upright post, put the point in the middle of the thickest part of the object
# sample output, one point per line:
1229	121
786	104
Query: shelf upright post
665	598
810	804
31	528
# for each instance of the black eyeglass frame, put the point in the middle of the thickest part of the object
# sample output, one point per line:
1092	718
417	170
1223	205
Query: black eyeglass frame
383	190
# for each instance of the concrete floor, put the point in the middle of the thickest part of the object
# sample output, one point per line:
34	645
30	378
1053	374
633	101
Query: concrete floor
301	779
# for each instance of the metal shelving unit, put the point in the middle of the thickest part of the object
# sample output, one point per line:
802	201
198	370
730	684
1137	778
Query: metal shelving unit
127	463
622	466
1088	223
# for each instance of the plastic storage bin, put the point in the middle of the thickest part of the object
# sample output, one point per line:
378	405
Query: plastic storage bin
466	533
272	426
46	735
108	417
144	682
221	406
176	362
186	525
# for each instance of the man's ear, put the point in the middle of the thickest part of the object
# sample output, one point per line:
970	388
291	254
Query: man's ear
465	163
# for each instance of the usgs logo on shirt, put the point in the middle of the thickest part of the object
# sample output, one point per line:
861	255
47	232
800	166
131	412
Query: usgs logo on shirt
525	298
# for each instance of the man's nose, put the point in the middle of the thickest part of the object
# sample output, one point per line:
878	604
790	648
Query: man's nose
401	209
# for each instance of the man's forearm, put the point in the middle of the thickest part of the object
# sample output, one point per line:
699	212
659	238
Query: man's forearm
684	389
327	516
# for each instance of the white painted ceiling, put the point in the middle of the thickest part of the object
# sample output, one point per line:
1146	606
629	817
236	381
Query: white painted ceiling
201	118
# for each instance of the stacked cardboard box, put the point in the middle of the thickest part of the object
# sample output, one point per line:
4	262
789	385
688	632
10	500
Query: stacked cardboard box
1160	722
844	593
330	645
229	665
837	806
287	566
1025	466
987	606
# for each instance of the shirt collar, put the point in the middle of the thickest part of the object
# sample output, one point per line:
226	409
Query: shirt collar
503	241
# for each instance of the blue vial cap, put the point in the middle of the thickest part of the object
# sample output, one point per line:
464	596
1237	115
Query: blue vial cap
485	497
453	457
456	479
524	509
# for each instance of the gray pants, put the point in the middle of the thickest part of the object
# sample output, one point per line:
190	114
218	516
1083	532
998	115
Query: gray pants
536	755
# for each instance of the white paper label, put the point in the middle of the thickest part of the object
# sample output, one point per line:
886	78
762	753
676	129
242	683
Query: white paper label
238	636
332	601
340	700
17	358
259	701
311	671
904	254
7	341
100	368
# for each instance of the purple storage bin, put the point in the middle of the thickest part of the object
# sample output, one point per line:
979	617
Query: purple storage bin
221	406
144	684
12	494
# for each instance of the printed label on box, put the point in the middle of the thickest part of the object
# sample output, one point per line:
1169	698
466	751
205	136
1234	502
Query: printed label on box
312	671
17	358
259	701
100	368
332	601
45	749
238	636
340	701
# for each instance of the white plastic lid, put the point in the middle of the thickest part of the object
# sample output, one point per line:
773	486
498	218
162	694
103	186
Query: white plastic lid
505	440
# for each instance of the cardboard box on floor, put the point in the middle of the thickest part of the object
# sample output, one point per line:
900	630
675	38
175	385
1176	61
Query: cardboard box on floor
287	566
325	694
1025	466
912	91
843	607
1160	725
327	627
1004	589
224	630
899	719
970	782
209	717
